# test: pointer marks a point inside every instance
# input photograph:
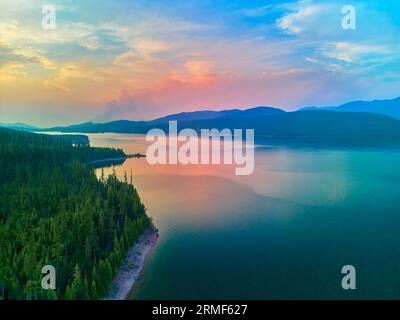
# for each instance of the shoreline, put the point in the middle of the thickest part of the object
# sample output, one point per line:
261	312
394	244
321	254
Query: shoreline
99	161
128	156
133	265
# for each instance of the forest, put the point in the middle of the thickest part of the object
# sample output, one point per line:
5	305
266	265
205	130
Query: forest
54	210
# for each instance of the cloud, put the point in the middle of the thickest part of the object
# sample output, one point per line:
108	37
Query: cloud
11	71
259	11
221	91
134	59
317	25
67	75
311	17
353	52
10	54
90	37
195	72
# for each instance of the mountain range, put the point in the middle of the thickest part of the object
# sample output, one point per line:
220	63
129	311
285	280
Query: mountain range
389	108
360	120
18	126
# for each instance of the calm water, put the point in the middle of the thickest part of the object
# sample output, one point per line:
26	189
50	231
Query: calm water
284	232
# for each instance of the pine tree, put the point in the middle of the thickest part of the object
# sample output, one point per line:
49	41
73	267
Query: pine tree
94	294
76	285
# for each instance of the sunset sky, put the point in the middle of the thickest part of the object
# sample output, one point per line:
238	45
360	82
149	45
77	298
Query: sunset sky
134	59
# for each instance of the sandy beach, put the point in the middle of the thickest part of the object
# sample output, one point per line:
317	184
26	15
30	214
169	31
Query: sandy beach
133	265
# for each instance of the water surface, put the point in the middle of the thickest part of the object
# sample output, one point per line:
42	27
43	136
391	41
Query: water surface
283	232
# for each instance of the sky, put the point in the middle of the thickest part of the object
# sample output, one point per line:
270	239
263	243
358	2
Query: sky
137	59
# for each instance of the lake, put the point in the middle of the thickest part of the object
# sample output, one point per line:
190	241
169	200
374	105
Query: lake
284	232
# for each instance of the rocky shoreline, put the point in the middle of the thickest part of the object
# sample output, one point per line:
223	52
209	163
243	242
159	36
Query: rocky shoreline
133	265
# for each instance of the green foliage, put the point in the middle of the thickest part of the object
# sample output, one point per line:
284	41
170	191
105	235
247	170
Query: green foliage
54	210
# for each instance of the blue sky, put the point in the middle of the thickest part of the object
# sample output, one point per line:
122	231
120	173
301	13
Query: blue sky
139	59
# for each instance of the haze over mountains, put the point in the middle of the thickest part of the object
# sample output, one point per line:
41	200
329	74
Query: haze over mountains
379	119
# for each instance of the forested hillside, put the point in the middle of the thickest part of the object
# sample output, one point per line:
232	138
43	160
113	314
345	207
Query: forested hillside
54	211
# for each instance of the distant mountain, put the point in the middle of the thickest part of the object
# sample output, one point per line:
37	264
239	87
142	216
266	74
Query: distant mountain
389	108
210	115
317	108
18	126
120	126
126	126
255	112
311	124
268	123
196	115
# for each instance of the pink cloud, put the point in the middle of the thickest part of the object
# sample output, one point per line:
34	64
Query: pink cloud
197	90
